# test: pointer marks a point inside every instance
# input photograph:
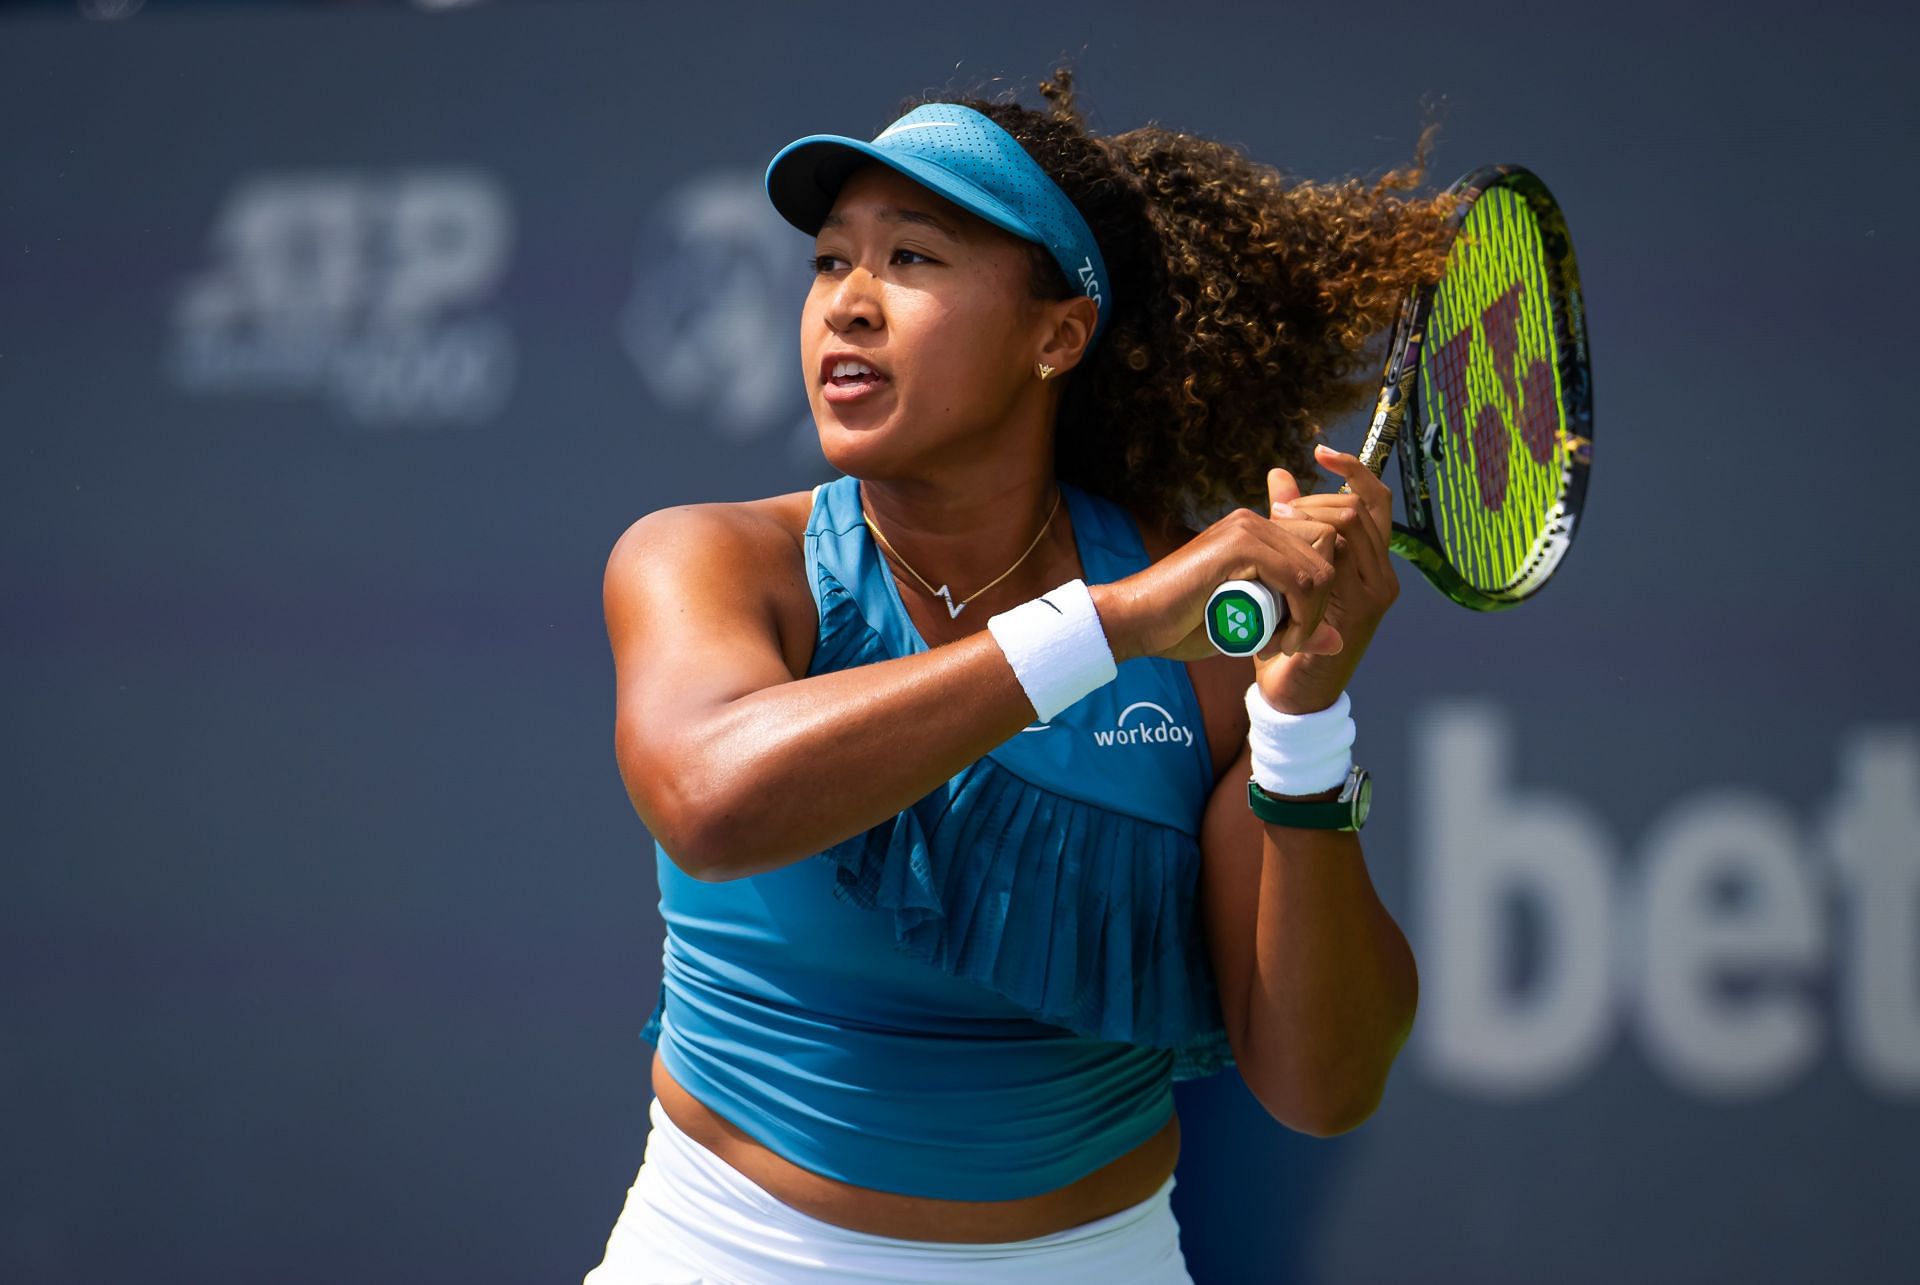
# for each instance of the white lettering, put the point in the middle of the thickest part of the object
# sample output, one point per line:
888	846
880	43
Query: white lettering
1165	732
1712	952
1161	734
449	241
1088	281
1717	1045
1483	848
370	290
1871	833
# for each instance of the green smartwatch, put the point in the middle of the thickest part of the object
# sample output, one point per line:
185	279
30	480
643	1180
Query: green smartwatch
1348	812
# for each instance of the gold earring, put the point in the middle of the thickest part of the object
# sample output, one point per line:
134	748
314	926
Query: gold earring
1045	370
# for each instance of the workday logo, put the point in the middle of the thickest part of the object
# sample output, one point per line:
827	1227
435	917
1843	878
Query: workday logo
1145	723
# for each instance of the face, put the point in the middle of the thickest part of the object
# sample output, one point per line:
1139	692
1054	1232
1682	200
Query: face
937	301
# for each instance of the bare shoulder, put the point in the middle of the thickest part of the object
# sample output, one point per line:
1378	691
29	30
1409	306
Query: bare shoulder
755	546
763	526
1219	682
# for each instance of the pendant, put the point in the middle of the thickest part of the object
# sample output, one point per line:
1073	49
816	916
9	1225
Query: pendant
953	608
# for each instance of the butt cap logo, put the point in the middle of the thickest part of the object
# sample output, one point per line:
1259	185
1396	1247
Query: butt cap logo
1235	620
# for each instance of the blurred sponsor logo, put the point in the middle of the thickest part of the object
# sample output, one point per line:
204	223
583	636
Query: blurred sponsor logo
370	292
109	10
711	323
1731	950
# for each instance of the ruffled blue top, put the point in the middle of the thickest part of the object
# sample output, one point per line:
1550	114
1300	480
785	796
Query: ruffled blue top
989	995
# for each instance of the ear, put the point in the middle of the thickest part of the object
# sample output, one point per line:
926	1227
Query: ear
1067	331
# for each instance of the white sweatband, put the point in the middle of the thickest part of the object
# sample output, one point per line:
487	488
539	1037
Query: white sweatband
1299	753
1056	646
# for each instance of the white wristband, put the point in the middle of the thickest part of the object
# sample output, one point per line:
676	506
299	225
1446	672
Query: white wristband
1056	646
1299	753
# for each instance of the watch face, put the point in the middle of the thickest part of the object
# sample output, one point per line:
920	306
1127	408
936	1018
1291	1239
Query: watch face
1363	801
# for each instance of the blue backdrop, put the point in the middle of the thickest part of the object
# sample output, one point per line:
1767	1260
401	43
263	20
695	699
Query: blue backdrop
336	348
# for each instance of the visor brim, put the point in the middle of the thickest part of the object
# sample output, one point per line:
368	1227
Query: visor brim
806	175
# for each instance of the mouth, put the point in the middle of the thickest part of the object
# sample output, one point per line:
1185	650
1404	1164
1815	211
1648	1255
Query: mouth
845	378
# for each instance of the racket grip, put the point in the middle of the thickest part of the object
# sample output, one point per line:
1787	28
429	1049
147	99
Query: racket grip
1242	617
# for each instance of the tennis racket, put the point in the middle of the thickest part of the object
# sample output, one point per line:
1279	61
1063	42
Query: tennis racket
1490	362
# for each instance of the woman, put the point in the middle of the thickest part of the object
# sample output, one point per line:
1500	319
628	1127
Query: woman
956	887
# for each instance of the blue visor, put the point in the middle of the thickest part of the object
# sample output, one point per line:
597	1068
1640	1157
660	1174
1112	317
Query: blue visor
966	158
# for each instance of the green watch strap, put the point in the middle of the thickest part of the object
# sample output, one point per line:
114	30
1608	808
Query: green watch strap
1326	814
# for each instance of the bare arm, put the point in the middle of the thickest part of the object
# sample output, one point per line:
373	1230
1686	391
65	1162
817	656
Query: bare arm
733	764
738	767
1316	980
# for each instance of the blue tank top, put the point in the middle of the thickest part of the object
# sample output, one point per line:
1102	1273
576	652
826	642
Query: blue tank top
989	995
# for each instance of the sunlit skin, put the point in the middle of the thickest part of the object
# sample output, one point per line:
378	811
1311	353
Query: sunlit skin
718	709
955	451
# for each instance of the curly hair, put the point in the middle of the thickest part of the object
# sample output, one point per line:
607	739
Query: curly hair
1243	304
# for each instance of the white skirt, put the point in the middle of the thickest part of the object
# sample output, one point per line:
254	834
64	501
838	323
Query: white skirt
692	1219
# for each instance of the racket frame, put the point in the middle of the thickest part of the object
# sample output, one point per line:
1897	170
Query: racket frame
1416	539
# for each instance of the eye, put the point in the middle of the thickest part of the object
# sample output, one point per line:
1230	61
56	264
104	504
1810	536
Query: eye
822	264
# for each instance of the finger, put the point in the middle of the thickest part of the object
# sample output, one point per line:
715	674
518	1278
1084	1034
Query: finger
1379	500
1326	641
1322	537
1346	464
1299	572
1303	544
1373	562
1283	498
1281	487
1337	507
1369	563
1280	554
1312	528
1349	515
1360	481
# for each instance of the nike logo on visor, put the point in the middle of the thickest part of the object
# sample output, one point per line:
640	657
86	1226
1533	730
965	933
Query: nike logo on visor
925	124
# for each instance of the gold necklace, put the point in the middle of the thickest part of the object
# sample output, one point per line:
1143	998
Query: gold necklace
955	608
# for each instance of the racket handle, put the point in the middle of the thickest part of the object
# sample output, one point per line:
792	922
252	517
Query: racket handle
1242	617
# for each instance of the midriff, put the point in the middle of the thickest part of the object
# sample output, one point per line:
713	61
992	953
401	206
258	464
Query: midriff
1114	1186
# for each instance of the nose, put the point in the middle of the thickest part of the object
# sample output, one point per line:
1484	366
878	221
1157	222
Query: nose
855	299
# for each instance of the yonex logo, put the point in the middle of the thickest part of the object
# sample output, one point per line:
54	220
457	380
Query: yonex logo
1233	619
1145	730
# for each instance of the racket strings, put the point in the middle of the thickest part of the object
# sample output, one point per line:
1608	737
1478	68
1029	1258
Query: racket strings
1490	389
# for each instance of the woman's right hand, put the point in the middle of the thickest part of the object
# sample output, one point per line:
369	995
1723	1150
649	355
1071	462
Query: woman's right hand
1161	611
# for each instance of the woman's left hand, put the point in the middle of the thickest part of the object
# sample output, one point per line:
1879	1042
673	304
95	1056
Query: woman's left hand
1364	583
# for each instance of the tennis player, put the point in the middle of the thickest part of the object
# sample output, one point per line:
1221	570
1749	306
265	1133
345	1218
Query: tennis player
959	859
